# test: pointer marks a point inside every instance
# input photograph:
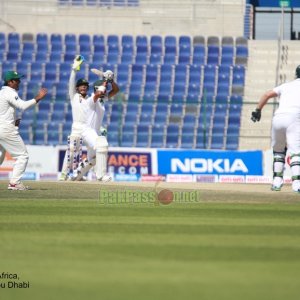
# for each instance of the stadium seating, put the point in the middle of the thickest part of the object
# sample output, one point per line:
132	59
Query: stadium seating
176	91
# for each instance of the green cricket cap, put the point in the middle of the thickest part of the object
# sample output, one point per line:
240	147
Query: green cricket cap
10	75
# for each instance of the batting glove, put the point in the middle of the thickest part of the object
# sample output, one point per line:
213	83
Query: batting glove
108	76
256	115
77	62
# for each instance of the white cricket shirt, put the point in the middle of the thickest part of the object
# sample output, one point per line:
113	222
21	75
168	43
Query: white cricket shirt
9	102
289	101
96	115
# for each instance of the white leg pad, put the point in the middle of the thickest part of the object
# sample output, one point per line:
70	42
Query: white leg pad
83	168
101	156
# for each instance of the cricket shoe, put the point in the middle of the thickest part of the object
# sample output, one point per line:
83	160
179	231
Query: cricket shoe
277	184
105	178
63	177
275	188
17	187
296	186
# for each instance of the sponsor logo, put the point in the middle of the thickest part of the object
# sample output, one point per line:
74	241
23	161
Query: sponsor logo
127	177
153	178
202	165
29	176
206	178
129	163
179	178
231	178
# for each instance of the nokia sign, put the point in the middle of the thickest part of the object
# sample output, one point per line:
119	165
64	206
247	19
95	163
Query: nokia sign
210	162
201	165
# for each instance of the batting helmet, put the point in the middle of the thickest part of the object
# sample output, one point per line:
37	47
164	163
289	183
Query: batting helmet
82	81
298	72
98	83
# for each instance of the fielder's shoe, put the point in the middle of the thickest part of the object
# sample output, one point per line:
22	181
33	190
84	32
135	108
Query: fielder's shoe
275	188
105	178
277	184
17	187
296	186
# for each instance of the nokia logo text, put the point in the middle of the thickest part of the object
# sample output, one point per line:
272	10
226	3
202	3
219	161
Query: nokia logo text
202	165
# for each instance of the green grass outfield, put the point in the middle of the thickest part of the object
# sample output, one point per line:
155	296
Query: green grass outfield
235	242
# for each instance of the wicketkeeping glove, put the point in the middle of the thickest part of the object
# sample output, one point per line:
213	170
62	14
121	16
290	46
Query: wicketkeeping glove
77	62
256	115
108	76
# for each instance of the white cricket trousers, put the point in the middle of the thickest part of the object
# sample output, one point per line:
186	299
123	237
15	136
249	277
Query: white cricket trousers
12	142
286	133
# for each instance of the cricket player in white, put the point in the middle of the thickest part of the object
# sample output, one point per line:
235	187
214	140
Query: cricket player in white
10	139
88	114
285	130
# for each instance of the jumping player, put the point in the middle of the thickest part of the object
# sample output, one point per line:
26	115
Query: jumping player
285	130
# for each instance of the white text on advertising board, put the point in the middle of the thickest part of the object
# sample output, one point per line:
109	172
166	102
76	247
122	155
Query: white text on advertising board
202	165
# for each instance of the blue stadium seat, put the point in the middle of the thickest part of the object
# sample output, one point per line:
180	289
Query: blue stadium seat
70	39
127	40
238	70
13	37
192	97
195	74
50	71
22	68
198	55
53	138
189	120
112	58
155	59
84	39
213	55
7	66
42	38
227	55
172	135
55	57
146	108
39	137
142	140
127	49
176	110
26	57
170	41
45	106
127	59
169	59
41	57
56	38
157	136
178	97
232	142
187	136
145	119
127	139
141	58
223	84
24	132
184	40
141	40
152	72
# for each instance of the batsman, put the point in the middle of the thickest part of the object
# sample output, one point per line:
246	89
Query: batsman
88	112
